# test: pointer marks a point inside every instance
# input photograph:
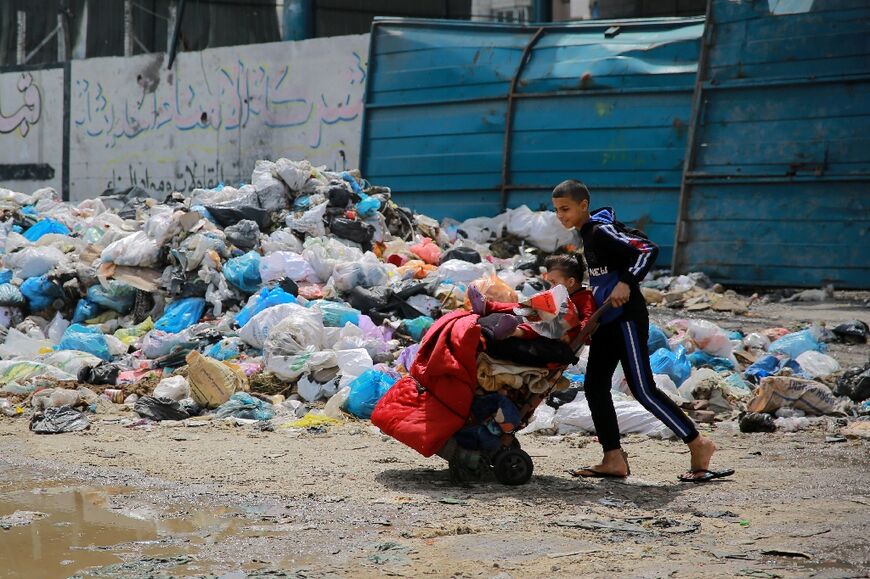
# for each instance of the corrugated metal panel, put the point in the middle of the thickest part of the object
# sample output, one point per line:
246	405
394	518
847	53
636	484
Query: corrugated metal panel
605	102
777	183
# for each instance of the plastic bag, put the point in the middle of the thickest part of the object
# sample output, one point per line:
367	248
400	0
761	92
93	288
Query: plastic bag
118	297
40	292
294	173
281	240
11	296
256	331
294	366
136	250
457	271
244	272
335	314
85	339
69	361
540	228
461	253
428	251
417	327
366	391
245	235
702	359
817	365
213	382
57	327
711	338
353	230
226	349
45	226
367	206
264	300
243	405
657	338
368	272
310	223
796	343
59	420
675	364
325	253
181	314
336	402
131	335
281	264
271	192
756	341
494	289
33	261
20	345
300	329
159	409
174	388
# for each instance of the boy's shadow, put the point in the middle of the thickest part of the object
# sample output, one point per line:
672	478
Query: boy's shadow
436	484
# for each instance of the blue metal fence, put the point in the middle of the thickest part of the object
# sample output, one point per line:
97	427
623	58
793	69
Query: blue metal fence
777	182
464	119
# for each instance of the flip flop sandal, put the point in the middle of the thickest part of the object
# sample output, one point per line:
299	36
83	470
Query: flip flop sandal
593	473
707	475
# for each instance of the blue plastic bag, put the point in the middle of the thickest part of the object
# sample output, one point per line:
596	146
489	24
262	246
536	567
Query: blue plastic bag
181	314
44	227
770	366
119	297
264	300
367	206
366	391
5	275
226	349
796	343
418	326
657	338
244	272
40	292
675	364
336	315
243	405
85	339
700	359
353	182
85	310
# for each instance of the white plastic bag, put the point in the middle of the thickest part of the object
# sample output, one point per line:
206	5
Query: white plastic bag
756	341
301	329
543	419
711	338
540	228
163	224
136	250
33	261
458	271
293	366
256	331
20	345
633	418
282	264
175	388
281	240
310	223
352	363
57	327
368	272
294	173
816	364
69	361
336	403
324	253
271	192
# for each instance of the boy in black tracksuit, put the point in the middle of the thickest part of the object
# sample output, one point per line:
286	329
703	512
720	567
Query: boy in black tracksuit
618	258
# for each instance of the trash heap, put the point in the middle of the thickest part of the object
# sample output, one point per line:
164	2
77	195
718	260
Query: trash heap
300	298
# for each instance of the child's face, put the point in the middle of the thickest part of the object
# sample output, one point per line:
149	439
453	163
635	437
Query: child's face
571	213
558	277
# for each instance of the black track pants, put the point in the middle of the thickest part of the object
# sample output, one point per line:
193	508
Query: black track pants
626	342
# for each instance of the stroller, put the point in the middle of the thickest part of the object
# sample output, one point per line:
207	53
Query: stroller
451	406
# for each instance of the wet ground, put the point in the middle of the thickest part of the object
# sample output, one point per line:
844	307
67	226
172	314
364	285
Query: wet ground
218	500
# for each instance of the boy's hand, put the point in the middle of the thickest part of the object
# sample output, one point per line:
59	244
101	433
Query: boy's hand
620	294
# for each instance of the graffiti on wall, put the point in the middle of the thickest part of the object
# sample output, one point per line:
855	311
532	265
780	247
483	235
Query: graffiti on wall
29	108
208	120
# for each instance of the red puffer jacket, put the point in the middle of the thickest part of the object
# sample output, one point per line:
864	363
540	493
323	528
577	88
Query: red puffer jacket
423	410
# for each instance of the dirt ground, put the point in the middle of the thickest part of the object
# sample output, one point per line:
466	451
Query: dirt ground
219	500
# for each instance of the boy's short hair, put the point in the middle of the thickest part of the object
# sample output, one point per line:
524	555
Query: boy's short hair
572	189
567	264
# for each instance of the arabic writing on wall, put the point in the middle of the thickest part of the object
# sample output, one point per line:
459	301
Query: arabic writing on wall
29	107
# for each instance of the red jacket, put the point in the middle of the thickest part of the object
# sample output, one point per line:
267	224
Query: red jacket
582	299
423	410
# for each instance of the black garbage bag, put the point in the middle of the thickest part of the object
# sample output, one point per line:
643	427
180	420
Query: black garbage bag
411	287
338	194
528	262
854	383
352	230
539	352
59	420
158	409
103	373
289	286
245	235
757	422
462	254
368	299
854	332
226	216
142	306
557	399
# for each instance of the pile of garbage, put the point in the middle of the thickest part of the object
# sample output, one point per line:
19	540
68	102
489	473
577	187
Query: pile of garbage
300	298
772	380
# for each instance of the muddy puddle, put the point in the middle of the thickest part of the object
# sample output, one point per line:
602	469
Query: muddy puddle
53	529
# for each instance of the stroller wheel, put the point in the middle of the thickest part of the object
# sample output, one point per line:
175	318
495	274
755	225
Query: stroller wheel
513	466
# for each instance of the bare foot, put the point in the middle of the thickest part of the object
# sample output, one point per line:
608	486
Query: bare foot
614	464
702	449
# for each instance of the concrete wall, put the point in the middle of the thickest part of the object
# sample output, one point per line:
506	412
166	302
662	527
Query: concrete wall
133	122
31	129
